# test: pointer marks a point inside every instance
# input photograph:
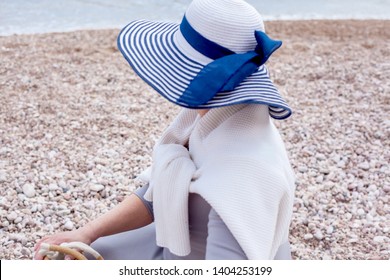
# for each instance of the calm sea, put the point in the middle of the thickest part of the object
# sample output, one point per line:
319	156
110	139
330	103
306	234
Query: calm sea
41	16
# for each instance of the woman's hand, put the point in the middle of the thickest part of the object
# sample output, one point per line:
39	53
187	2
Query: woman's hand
80	235
130	214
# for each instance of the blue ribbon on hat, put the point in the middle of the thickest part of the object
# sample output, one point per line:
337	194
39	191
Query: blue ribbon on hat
227	70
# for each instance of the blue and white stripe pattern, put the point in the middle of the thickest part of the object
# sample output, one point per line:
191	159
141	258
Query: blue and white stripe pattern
150	49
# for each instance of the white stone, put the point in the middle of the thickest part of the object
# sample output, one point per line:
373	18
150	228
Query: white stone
372	188
341	164
302	169
318	235
353	240
12	216
320	179
381	239
320	157
53	187
90	174
96	187
52	154
308	236
330	230
62	184
25	251
3	176
29	190
361	212
68	225
364	165
17	236
64	212
324	170
18	220
369	217
4	203
47	213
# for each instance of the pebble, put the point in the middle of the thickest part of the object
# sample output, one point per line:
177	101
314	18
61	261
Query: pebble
348	216
3	176
381	239
372	188
308	236
324	170
47	213
12	216
353	240
341	164
330	230
302	169
62	184
4	203
320	179
18	220
51	155
320	157
29	190
63	213
96	187
69	225
19	238
318	235
26	252
365	166
53	187
360	212
5	223
67	196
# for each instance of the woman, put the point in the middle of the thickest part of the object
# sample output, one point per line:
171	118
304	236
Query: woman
220	185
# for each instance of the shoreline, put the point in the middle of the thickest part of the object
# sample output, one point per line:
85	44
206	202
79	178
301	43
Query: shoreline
77	126
276	19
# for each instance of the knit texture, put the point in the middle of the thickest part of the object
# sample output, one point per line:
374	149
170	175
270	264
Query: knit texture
237	162
169	190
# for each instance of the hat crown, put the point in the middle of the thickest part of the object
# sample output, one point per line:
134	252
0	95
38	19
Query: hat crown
229	23
213	58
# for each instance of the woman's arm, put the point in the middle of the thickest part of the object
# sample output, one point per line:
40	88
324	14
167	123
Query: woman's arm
129	214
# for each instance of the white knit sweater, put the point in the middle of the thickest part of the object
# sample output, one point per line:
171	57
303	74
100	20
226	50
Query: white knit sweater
237	162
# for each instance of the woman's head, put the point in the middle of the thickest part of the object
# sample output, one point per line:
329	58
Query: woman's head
214	58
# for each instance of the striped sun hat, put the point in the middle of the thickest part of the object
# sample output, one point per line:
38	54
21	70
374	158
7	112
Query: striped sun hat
214	58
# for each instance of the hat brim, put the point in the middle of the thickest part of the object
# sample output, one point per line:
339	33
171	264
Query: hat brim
151	51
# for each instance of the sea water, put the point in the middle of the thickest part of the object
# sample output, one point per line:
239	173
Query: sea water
41	16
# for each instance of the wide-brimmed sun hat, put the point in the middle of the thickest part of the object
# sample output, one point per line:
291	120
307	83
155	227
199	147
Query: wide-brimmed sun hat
214	58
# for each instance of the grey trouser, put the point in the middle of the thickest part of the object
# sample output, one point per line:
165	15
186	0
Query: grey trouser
210	238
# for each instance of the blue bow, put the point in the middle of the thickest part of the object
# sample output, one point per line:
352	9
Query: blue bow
228	69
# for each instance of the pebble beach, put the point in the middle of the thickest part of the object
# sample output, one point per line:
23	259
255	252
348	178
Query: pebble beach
77	126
